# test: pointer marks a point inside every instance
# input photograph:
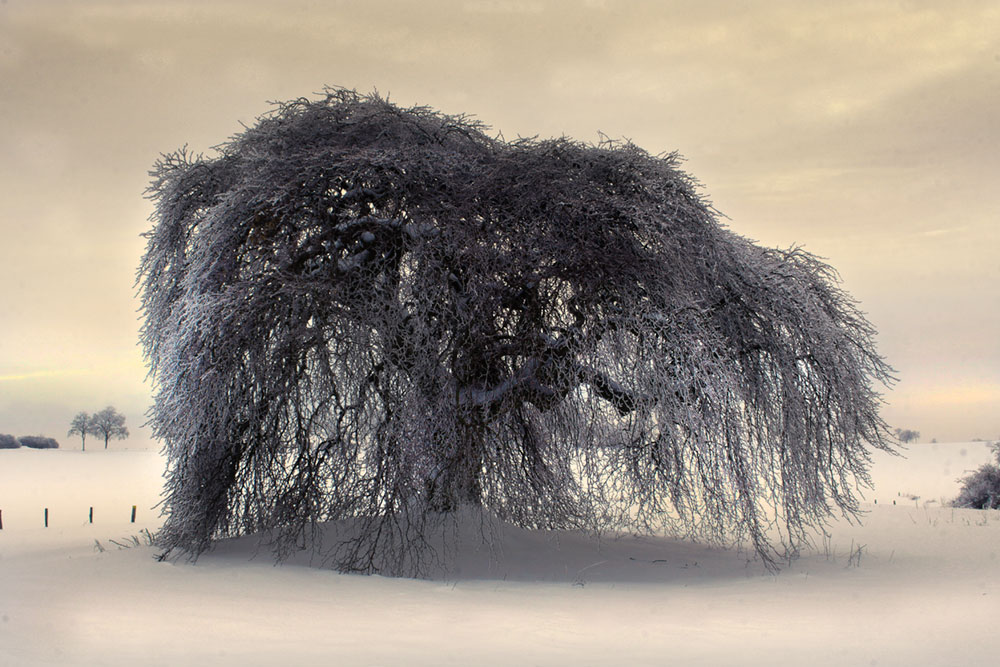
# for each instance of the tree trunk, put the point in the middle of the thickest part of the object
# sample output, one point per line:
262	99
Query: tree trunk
457	481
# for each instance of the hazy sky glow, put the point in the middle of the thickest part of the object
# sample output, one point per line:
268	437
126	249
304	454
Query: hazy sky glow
865	131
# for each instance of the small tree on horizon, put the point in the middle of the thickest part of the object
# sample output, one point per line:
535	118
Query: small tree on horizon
81	426
109	423
906	435
371	315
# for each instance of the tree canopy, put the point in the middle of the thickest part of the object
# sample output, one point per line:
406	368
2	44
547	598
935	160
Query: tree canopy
372	315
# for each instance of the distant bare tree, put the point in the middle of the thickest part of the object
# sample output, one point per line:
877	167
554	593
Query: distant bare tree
8	441
81	426
373	315
906	435
108	423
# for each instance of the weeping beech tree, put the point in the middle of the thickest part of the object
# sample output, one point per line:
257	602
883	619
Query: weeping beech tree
369	317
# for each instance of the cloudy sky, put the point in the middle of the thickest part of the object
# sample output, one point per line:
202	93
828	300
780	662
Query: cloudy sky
865	131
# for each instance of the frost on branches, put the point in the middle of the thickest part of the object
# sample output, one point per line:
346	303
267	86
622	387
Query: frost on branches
374	316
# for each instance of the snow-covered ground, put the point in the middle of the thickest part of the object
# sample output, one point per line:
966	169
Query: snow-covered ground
917	584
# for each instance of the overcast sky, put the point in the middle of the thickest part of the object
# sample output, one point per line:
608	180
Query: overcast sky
865	131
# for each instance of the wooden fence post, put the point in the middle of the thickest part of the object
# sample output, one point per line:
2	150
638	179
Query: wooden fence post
46	517
91	515
133	513
1	519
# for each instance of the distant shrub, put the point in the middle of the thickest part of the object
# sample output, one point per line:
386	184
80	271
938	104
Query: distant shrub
981	489
8	442
39	442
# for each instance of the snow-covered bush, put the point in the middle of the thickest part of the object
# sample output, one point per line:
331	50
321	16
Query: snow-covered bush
981	488
8	442
38	442
374	315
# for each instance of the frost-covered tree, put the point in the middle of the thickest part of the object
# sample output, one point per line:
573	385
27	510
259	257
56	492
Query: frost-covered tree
906	435
107	424
372	316
81	426
8	441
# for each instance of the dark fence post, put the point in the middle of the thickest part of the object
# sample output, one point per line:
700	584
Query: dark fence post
133	513
46	517
1	519
91	515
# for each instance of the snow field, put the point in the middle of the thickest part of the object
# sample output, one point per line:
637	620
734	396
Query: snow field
915	584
